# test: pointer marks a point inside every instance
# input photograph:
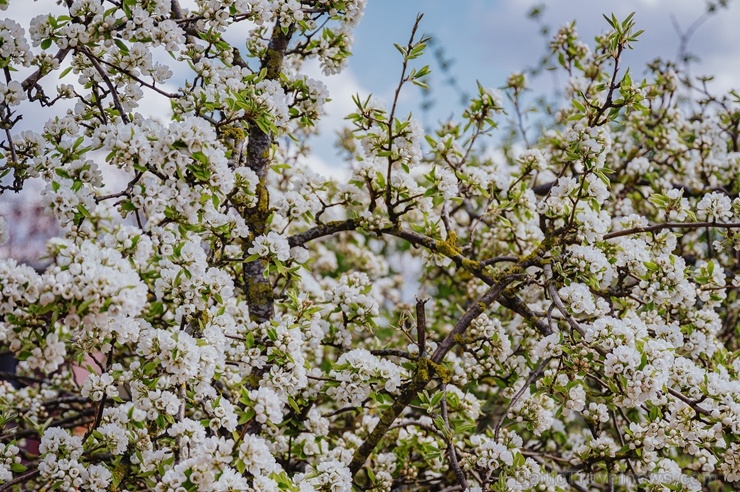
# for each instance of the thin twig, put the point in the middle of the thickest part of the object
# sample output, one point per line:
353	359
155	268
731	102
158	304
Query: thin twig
694	406
421	379
559	302
392	115
116	101
451	451
139	80
421	326
532	376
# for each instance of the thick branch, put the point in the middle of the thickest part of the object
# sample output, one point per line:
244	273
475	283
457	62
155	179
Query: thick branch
20	479
423	376
393	352
322	230
509	301
517	305
421	326
440	247
259	293
475	310
673	225
386	420
33	79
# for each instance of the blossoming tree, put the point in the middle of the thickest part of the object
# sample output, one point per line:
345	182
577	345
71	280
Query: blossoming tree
227	319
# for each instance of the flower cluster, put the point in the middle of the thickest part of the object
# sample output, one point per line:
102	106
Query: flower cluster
61	466
354	300
355	370
10	461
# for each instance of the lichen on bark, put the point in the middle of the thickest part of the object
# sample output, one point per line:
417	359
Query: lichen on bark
259	292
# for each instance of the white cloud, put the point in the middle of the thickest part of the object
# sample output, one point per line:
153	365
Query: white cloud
341	88
514	43
324	168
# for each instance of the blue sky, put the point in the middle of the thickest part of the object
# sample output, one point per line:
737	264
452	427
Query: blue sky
489	39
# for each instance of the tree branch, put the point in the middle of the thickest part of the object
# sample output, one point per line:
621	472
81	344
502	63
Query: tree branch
20	479
322	230
423	376
475	310
672	225
421	326
451	451
259	292
532	376
113	94
33	79
559	302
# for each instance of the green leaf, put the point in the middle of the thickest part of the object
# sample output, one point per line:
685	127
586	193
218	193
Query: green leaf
518	460
436	399
652	266
439	423
61	172
83	211
121	46
658	200
294	405
419	83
